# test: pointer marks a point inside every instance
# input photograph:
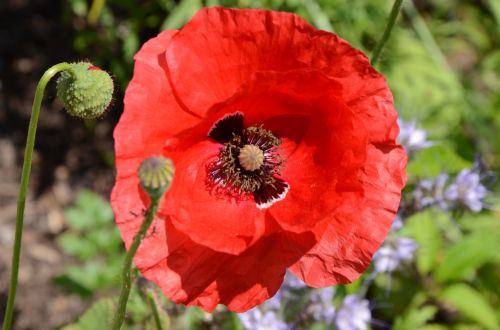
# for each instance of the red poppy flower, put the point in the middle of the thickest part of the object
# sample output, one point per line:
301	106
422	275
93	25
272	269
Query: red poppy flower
283	139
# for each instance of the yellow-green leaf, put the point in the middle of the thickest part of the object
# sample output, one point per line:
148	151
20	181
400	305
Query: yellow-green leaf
471	304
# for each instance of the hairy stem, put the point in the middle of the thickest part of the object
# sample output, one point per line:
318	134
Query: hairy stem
126	271
387	32
21	201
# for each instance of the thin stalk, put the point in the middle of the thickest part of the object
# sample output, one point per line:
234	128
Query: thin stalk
387	32
21	201
126	271
95	11
156	316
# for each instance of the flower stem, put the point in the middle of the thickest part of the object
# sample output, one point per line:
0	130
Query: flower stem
95	11
156	316
126	274
21	201
387	32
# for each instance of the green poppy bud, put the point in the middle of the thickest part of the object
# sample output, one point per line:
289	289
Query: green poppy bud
155	175
85	90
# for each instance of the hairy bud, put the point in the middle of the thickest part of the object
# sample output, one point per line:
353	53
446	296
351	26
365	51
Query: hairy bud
155	174
85	90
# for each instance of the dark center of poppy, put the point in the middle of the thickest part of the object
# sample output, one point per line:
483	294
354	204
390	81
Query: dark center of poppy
248	163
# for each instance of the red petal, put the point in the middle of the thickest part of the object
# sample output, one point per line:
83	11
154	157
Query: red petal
151	115
220	50
323	141
129	208
151	112
279	102
195	275
358	227
212	221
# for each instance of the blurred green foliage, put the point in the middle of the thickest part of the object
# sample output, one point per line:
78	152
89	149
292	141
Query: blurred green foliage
443	66
95	317
93	240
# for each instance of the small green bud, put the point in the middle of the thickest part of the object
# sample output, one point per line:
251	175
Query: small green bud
85	90
155	175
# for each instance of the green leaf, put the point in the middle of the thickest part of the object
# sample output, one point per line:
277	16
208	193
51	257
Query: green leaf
482	222
232	323
131	44
416	315
318	326
415	318
75	245
319	18
467	326
77	218
79	7
181	14
90	211
495	9
437	159
424	85
93	238
471	304
192	318
423	227
466	255
434	327
96	317
355	286
70	285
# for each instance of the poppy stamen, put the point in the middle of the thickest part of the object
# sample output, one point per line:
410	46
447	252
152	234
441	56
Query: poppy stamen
248	163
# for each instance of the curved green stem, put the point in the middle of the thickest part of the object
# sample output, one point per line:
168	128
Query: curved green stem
28	153
126	274
154	309
387	32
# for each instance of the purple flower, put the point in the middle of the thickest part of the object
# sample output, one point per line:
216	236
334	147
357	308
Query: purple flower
398	223
275	302
320	306
467	190
430	192
256	319
392	253
292	282
411	137
353	314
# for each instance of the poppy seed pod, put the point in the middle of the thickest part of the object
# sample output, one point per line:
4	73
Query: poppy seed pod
85	90
155	174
